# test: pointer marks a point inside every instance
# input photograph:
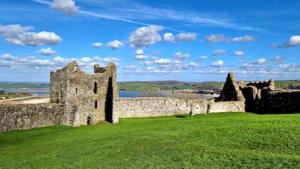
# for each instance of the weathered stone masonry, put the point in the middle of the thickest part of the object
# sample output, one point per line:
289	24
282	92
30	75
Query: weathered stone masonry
156	106
261	97
86	98
76	98
26	116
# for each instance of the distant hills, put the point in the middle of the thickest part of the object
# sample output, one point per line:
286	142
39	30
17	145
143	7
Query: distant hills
155	85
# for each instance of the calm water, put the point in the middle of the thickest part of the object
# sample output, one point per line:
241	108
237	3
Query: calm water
133	94
129	94
39	93
121	93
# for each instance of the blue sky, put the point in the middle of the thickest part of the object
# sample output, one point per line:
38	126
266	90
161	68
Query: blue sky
151	40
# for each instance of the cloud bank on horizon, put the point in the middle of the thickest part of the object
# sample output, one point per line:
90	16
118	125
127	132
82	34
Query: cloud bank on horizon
148	40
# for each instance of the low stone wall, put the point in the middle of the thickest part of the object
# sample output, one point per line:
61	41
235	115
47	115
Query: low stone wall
26	116
156	106
226	106
279	102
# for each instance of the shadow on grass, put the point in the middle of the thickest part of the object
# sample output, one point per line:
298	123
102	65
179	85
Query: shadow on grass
181	116
275	113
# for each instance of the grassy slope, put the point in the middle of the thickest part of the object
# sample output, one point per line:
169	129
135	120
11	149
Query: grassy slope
232	140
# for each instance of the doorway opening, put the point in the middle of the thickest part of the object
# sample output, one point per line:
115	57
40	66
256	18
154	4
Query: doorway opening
90	120
109	101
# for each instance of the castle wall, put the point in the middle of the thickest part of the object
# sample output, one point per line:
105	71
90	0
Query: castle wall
226	106
251	94
263	84
279	102
26	116
156	106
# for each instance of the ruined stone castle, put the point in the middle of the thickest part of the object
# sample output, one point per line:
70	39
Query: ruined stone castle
77	98
260	97
85	98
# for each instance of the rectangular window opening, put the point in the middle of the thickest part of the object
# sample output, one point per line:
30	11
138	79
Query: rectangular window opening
95	87
96	104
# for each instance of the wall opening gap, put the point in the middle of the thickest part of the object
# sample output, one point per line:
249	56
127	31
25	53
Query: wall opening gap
96	104
95	87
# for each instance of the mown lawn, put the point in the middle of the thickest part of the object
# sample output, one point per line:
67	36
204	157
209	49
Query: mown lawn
228	140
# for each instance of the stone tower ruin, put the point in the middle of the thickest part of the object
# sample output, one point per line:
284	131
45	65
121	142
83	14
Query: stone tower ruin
231	91
261	96
85	98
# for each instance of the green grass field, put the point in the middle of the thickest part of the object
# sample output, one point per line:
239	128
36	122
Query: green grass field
227	140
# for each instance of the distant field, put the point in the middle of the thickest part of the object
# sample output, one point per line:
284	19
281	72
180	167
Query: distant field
169	85
227	140
14	85
158	85
10	95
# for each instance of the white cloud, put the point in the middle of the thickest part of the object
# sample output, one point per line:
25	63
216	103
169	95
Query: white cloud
181	56
141	57
223	38
46	51
97	44
261	60
178	61
67	6
186	36
162	61
193	64
216	38
278	59
7	57
219	52
145	36
150	68
59	59
203	57
111	59
294	40
31	63
246	38
146	63
86	59
239	53
115	44
218	63
131	66
139	54
284	66
169	37
23	35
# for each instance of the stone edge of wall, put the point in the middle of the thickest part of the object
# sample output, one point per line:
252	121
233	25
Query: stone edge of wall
160	106
27	116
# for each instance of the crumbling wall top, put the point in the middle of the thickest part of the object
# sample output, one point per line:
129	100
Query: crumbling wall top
263	84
